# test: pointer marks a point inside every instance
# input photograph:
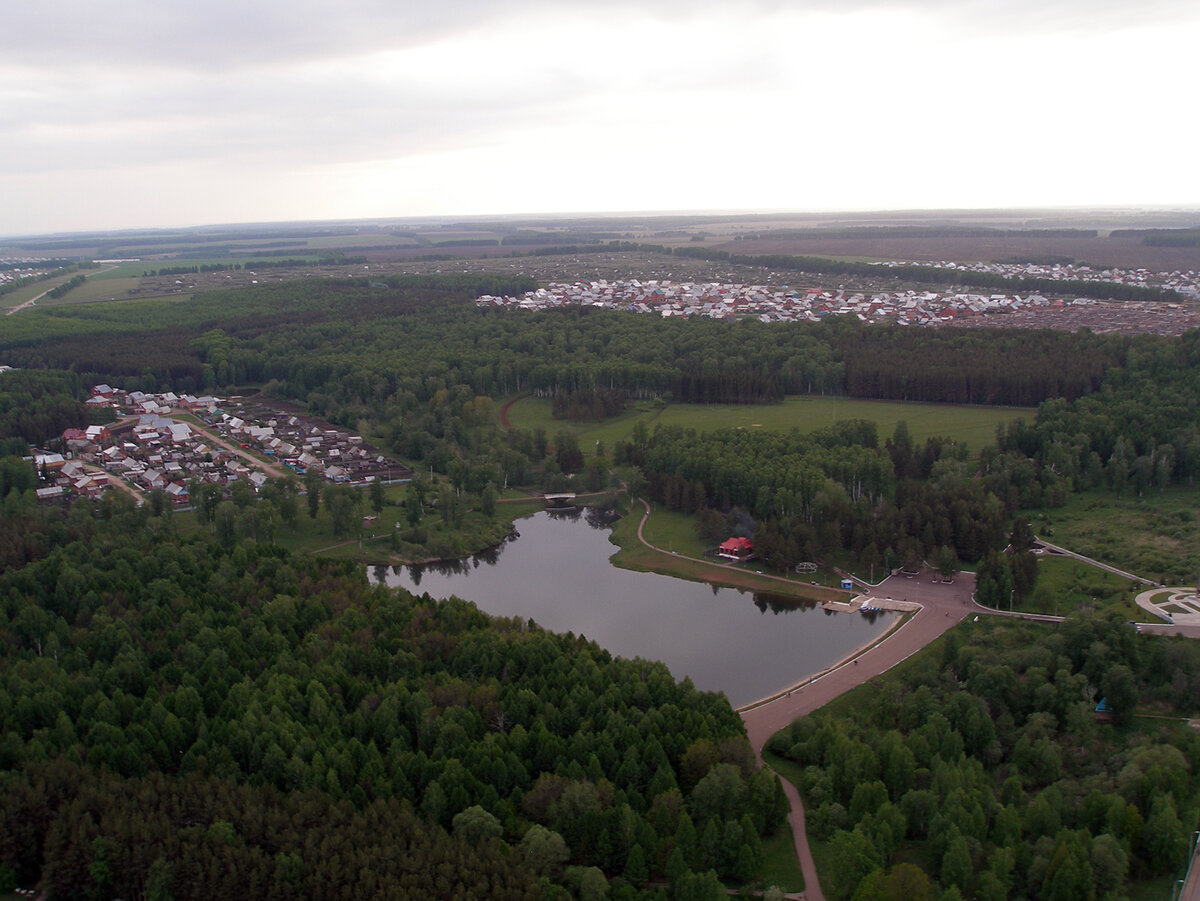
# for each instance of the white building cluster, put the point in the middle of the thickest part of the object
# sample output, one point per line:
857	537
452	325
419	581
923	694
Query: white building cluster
25	271
733	301
148	448
1185	282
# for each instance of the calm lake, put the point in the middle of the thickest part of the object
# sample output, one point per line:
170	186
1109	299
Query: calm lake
557	573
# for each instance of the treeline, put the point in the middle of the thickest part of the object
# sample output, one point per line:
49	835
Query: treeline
740	385
830	492
199	250
918	231
609	247
466	242
424	334
69	285
533	237
595	405
998	367
1161	237
37	406
289	263
990	768
139	665
1141	431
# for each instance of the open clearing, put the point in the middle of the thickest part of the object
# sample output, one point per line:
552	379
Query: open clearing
94	291
974	426
1156	536
1065	585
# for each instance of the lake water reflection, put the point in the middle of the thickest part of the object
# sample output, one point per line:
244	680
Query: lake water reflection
557	573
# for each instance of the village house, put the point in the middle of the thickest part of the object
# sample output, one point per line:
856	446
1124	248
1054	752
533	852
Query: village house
739	549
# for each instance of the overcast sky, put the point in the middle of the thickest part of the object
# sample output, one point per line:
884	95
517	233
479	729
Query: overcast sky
132	113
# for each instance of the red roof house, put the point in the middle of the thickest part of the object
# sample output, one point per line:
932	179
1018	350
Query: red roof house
736	549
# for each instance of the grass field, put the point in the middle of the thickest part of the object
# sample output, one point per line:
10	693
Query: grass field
1156	536
1065	585
780	866
675	532
33	289
790	771
636	556
95	291
974	426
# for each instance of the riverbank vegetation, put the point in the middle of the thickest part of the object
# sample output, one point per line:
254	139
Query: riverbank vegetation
663	558
984	764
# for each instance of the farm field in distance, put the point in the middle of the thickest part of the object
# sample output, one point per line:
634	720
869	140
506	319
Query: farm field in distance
568	250
972	426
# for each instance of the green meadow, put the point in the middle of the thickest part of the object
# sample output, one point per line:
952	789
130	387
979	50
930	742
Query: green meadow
1065	585
1156	536
973	426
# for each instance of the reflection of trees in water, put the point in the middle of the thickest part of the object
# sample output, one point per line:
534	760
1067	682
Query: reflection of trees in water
599	518
442	567
460	567
571	513
777	603
490	556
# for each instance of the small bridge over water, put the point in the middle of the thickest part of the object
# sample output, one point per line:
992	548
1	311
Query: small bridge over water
559	500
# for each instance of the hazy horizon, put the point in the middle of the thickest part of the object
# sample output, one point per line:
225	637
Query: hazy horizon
174	116
1078	216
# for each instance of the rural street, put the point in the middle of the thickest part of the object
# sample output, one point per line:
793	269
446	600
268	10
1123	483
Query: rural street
116	482
269	468
28	303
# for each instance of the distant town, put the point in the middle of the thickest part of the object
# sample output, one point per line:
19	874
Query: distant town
1186	283
906	308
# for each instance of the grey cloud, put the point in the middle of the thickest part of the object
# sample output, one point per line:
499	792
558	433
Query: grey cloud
232	34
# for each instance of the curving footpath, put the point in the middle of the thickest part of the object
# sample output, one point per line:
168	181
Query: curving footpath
941	605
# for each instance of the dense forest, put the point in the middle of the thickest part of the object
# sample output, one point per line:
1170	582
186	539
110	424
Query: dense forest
837	489
40	404
419	365
206	714
986	768
185	713
843	490
423	334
